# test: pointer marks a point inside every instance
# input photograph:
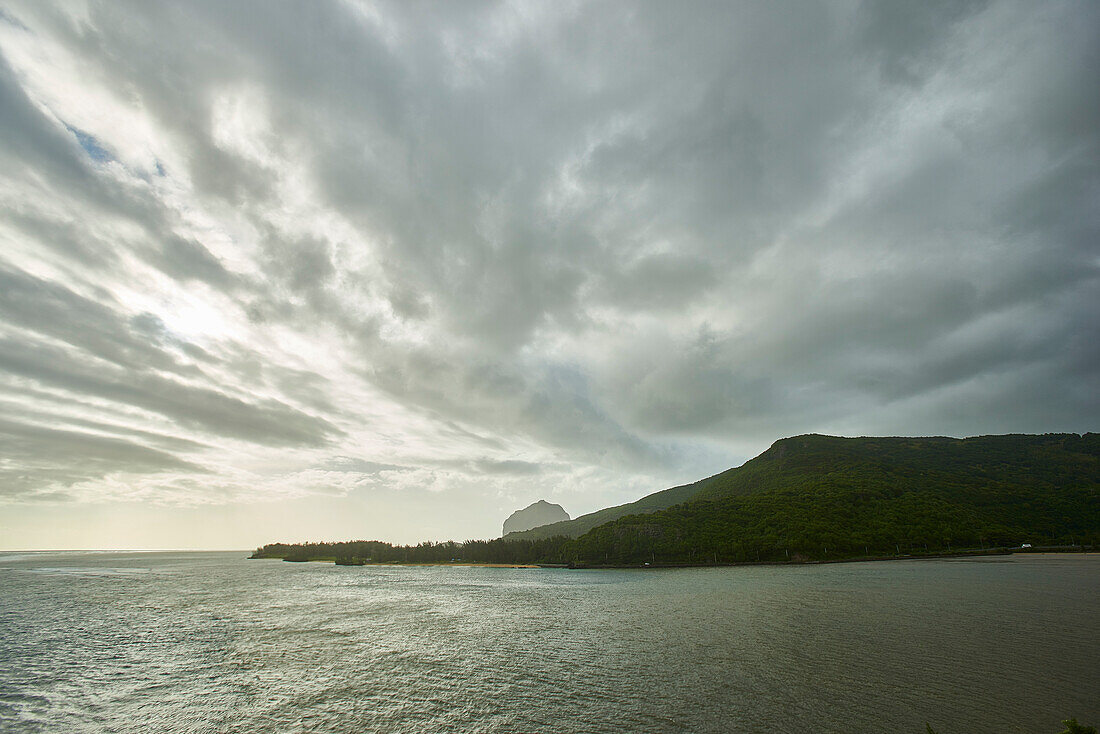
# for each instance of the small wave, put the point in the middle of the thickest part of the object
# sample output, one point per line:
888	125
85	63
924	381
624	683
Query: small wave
79	571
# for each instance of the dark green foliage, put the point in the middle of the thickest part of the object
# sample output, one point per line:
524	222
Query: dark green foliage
820	497
374	551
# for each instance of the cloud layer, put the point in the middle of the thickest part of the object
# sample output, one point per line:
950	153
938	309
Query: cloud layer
499	251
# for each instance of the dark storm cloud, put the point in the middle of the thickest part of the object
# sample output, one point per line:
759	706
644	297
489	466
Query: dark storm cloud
89	323
551	405
69	239
591	230
137	349
57	163
30	141
44	457
261	421
904	38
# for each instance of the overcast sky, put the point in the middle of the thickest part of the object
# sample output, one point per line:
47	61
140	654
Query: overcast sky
281	271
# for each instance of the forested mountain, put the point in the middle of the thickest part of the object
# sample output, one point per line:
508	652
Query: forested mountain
821	497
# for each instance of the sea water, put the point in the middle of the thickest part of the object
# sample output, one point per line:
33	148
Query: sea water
212	642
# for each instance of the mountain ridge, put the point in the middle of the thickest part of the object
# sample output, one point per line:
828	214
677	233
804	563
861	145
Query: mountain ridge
809	493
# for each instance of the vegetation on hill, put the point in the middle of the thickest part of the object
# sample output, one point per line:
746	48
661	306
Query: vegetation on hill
823	498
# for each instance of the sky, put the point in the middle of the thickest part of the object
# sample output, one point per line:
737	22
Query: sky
330	270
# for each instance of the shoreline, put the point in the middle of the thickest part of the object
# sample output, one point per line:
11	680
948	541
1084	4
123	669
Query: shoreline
824	561
399	563
1039	551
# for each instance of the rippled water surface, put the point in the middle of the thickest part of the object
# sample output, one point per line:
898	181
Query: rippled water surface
211	642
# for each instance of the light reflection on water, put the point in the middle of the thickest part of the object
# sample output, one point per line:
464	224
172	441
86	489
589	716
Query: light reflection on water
210	642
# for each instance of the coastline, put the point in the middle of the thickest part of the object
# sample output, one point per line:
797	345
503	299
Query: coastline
397	563
824	561
1038	551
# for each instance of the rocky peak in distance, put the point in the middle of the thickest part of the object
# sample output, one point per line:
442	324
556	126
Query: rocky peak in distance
533	516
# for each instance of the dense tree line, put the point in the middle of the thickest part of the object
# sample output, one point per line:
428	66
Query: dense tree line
550	550
823	498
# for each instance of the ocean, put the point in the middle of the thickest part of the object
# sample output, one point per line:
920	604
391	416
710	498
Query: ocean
212	642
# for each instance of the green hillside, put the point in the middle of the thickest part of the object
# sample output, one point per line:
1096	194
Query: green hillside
819	497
